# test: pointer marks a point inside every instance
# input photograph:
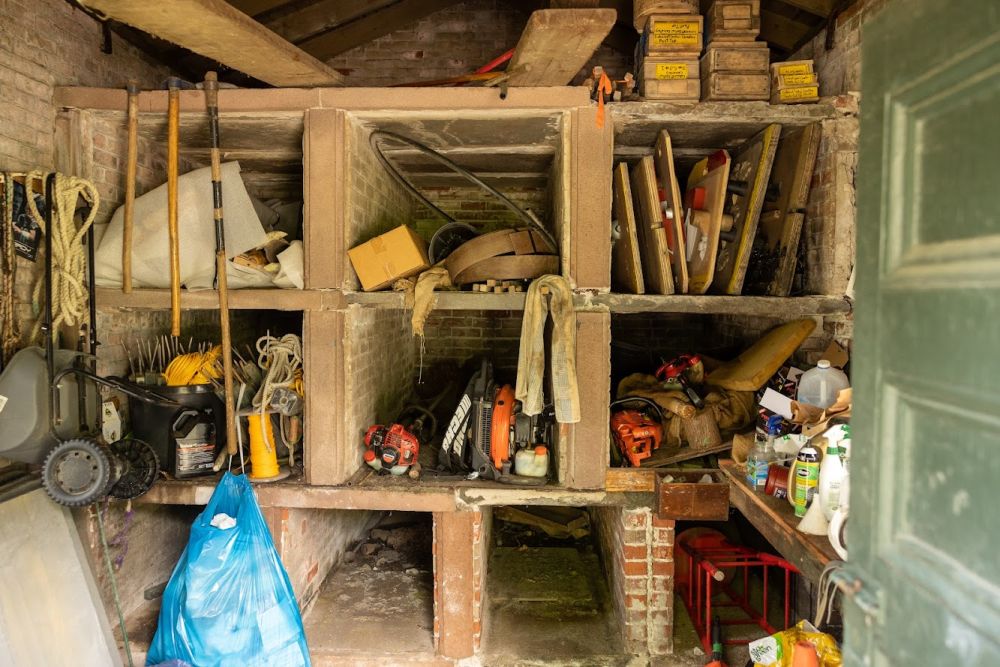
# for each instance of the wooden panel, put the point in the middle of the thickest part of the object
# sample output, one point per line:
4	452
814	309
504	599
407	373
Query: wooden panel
588	454
556	44
329	457
751	168
590	154
239	299
320	16
215	29
652	235
687	499
674	211
711	174
324	200
627	267
453	576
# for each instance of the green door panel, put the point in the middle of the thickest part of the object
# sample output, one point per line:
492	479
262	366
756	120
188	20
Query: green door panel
924	531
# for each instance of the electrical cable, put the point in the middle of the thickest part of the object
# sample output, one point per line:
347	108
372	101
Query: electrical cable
376	145
114	584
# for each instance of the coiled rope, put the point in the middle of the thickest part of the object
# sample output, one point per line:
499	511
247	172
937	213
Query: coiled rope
69	258
281	359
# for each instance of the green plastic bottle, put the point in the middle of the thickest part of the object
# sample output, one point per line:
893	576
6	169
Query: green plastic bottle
806	478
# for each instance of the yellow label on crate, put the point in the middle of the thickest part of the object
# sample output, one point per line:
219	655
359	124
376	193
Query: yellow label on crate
670	71
797	79
805	92
674	33
801	68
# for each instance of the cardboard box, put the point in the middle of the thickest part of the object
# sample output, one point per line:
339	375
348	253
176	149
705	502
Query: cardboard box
399	253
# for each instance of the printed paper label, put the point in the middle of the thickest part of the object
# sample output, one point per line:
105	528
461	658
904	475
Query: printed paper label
670	71
797	79
801	68
675	33
803	93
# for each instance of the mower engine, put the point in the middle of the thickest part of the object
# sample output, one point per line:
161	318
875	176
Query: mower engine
391	450
636	432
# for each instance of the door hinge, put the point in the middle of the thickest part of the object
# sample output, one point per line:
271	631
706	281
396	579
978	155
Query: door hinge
868	598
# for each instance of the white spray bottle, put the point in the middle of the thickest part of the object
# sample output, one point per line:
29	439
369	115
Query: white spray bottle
832	471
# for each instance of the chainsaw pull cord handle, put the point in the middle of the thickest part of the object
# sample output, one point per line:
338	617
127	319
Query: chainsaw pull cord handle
640	399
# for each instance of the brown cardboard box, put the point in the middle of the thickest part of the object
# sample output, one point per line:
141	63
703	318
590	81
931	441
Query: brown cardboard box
399	253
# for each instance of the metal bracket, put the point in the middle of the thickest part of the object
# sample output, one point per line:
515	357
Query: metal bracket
868	598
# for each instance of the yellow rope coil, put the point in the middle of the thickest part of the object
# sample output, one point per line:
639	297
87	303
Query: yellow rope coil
193	368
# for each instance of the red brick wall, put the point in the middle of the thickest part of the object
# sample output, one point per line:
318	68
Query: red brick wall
637	552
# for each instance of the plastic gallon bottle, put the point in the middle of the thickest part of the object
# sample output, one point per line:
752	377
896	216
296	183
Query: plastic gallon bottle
821	385
831	473
532	462
806	478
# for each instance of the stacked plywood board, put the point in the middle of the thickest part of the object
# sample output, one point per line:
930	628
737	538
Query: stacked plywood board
670	45
794	82
735	65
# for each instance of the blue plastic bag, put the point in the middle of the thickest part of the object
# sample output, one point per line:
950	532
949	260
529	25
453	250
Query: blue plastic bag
229	601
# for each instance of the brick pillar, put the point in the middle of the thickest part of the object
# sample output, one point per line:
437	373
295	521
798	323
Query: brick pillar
456	579
638	555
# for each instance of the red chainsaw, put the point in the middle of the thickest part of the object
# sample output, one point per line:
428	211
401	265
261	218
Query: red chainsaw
636	431
674	370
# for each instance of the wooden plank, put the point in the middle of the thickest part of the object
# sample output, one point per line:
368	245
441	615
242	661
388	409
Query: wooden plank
587	152
370	27
321	16
763	306
657	461
239	299
673	209
776	521
556	44
629	480
752	169
254	7
702	235
750	370
453	579
218	30
652	235
626	268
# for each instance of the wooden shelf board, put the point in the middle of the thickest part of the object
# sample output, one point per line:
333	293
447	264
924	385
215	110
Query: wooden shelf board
381	493
239	299
444	300
776	521
764	306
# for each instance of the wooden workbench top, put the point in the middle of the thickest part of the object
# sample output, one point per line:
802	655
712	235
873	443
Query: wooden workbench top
775	519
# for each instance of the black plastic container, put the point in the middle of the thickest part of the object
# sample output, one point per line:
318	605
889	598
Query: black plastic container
167	429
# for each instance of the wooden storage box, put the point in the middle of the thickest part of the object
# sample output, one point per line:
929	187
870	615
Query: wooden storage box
679	90
643	9
733	20
673	33
795	95
793	80
791	67
675	79
686	499
745	57
725	86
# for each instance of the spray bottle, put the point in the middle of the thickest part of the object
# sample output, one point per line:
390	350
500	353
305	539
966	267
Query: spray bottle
806	478
831	471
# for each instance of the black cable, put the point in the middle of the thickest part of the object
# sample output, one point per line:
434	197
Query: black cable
376	145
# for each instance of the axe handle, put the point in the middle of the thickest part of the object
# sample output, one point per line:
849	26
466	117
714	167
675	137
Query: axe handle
132	159
173	157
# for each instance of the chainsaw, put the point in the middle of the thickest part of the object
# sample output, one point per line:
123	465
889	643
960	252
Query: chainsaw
636	432
391	449
488	429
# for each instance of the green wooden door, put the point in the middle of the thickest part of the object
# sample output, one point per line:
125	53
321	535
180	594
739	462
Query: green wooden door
924	531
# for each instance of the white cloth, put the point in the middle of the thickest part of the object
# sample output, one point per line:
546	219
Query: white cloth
223	521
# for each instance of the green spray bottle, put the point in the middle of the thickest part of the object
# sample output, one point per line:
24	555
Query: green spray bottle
806	478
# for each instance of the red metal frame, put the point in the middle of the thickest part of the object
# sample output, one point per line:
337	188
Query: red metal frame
707	563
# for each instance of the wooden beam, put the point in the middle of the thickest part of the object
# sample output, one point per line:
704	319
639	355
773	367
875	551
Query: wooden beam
822	8
371	26
783	32
556	44
218	30
255	7
321	16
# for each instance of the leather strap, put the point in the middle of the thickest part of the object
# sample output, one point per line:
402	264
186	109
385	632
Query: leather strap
494	244
508	267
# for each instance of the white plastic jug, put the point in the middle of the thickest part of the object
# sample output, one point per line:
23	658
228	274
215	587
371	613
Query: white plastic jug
821	385
532	462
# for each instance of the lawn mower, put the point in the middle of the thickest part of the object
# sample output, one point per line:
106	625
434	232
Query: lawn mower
49	410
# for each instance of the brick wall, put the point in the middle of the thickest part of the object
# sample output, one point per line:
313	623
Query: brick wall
839	68
479	208
637	553
462	335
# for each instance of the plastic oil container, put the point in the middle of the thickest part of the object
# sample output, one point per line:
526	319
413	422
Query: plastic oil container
821	385
532	462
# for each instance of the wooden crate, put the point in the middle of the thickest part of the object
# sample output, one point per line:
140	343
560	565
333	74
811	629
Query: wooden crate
669	69
685	499
736	57
733	20
680	90
673	33
726	86
796	95
643	9
793	80
791	67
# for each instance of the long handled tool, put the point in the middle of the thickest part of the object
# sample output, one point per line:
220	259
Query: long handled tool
212	102
173	139
133	150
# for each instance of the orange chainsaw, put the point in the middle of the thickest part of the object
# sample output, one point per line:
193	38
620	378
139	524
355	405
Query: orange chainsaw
636	431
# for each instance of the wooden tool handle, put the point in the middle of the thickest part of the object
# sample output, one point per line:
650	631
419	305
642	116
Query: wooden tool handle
227	350
211	87
132	159
173	140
